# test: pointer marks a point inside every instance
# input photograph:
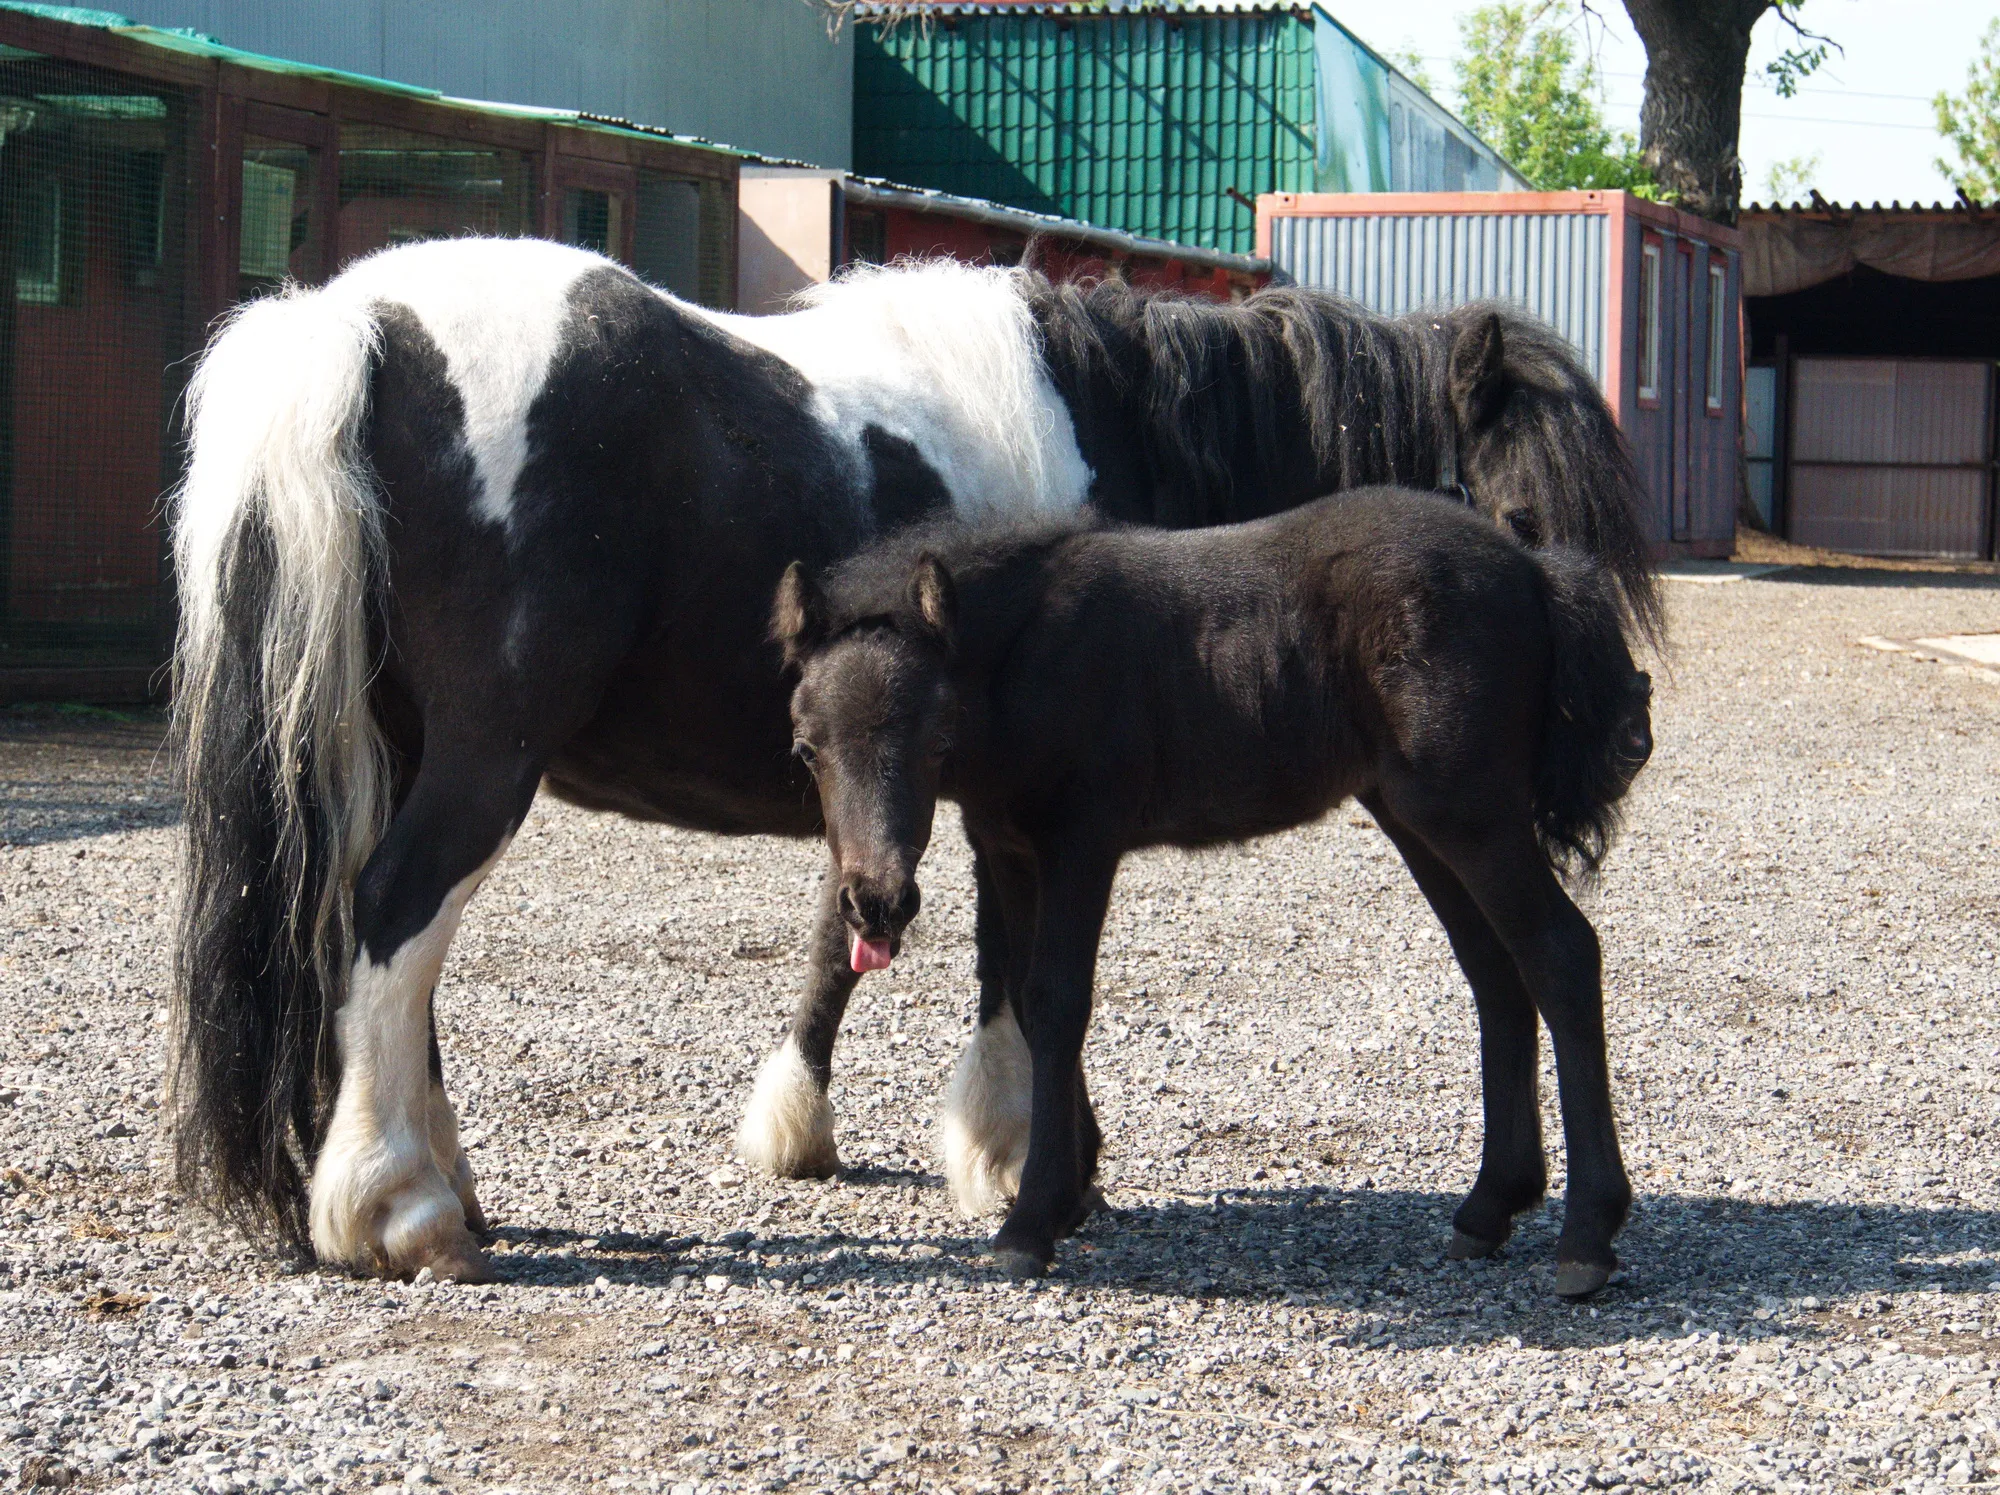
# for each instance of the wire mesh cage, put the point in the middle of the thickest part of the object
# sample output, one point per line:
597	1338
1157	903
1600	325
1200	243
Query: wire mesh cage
94	182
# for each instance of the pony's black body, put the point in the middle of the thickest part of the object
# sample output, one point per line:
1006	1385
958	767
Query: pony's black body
1082	693
402	635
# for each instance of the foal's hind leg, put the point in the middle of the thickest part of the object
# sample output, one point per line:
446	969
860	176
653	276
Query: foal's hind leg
382	1198
788	1126
1554	948
1512	1172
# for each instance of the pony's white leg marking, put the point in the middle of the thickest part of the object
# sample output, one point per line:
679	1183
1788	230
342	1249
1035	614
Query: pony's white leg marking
984	1131
788	1127
450	1157
380	1199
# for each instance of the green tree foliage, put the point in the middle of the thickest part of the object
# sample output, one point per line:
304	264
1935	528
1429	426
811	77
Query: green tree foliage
1527	93
1970	124
1792	179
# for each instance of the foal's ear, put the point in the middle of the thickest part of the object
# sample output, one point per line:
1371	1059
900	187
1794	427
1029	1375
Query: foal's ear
1478	372
798	617
933	597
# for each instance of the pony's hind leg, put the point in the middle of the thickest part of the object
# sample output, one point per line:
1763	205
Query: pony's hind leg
983	1130
787	1128
1513	1174
383	1197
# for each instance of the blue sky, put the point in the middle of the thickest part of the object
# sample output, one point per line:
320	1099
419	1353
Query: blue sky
1867	113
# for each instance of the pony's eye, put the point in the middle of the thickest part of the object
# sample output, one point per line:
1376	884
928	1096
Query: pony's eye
803	751
1522	523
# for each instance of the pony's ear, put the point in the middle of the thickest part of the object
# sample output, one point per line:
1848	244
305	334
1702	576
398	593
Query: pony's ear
798	617
1478	372
933	597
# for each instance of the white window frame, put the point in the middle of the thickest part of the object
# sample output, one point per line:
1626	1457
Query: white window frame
1651	260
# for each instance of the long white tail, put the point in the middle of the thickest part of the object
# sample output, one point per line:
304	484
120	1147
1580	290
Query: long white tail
278	549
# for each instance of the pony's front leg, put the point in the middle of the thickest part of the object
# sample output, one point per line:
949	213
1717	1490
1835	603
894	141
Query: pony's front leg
788	1127
384	1198
1055	1009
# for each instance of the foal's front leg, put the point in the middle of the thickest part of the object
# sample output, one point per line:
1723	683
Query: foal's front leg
1055	1009
788	1127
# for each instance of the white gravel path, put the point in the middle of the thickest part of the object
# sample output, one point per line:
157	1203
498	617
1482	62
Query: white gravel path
1801	931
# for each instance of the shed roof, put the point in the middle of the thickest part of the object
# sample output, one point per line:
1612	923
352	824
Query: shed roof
186	42
1790	247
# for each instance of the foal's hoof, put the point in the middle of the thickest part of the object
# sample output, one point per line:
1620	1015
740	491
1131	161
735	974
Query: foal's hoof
1465	1247
1579	1279
1018	1264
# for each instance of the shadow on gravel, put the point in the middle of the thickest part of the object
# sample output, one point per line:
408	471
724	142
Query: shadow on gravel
1691	1262
68	772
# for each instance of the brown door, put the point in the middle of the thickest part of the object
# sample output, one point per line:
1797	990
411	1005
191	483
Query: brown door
1892	456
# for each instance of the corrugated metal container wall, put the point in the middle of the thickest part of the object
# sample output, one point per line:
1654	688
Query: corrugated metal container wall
1552	263
1648	296
1136	122
786	88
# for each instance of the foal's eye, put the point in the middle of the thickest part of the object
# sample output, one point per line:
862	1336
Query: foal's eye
803	751
941	748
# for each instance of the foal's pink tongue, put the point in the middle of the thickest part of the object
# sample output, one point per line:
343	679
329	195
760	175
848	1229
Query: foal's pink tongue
868	955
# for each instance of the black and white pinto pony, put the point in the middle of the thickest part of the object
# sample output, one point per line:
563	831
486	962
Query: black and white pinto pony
483	515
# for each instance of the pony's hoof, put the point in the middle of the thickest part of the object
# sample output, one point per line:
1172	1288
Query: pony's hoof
462	1263
1580	1279
1465	1247
1018	1264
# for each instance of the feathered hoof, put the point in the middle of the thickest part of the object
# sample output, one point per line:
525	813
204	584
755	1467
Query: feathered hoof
1465	1247
787	1129
1018	1264
1580	1279
463	1264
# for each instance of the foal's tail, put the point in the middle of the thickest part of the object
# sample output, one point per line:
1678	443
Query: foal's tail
1598	729
278	550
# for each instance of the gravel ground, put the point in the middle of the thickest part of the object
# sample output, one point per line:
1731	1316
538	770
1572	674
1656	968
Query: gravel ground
1800	930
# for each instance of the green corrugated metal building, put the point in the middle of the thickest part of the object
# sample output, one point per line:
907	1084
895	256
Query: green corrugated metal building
1159	119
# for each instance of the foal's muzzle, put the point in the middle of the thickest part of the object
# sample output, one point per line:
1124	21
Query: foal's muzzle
878	910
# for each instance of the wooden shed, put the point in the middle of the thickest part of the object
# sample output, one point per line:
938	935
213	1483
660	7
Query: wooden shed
151	179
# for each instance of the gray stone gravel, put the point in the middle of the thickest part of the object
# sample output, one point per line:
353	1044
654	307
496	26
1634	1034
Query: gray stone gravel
1801	940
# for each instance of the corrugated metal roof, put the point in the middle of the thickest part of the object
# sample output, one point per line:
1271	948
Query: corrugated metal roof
1132	122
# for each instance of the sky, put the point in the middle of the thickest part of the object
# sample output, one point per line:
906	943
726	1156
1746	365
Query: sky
1867	113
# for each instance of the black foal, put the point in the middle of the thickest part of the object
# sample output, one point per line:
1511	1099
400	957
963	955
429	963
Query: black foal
1083	691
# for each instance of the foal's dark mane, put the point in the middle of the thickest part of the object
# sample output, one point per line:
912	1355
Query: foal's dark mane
1251	406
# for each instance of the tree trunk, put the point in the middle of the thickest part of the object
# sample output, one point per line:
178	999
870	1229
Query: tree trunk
1688	125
